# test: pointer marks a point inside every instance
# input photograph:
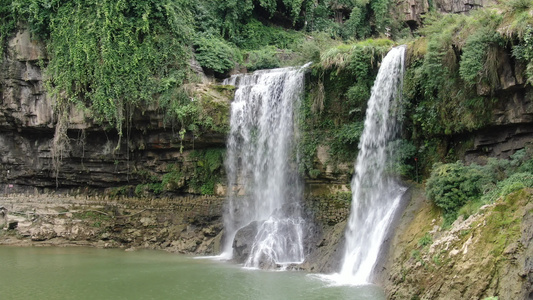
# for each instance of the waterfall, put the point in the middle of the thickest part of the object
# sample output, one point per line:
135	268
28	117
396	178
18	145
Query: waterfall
263	183
375	195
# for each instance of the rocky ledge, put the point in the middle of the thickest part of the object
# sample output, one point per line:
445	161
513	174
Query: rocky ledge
178	224
486	255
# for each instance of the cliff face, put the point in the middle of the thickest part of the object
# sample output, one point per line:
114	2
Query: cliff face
91	158
510	127
461	6
179	224
91	162
412	11
488	254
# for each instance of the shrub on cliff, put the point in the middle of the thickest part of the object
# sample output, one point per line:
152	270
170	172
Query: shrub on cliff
215	54
451	186
462	190
514	183
266	58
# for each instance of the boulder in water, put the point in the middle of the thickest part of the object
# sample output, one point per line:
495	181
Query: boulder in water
243	242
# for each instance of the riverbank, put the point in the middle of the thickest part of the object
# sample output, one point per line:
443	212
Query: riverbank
180	224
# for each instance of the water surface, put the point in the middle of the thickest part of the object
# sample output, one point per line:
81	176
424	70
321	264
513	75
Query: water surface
88	273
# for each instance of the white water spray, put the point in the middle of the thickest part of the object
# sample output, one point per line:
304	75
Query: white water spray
263	184
375	195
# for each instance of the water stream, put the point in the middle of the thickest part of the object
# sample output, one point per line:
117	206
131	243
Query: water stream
376	196
263	183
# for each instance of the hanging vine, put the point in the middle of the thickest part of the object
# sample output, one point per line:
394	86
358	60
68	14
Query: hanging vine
105	55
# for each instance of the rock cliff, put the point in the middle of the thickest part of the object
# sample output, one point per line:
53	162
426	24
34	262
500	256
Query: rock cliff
511	125
190	224
486	255
92	158
412	11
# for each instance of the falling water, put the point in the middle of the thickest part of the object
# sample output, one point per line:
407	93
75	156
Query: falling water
262	182
375	195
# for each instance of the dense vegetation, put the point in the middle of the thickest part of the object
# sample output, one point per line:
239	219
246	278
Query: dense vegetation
111	57
461	190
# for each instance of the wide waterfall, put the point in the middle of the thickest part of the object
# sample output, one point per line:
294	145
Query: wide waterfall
376	196
263	185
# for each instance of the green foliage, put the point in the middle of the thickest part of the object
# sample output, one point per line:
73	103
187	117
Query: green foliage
524	51
238	21
309	50
453	74
337	57
357	25
332	112
265	58
366	18
470	208
437	259
254	35
381	14
450	83
200	112
112	56
516	17
426	240
358	95
345	141
515	182
358	57
7	24
504	222
350	133
234	21
462	190
319	18
213	53
173	179
474	56
451	186
231	14
403	160
202	178
208	170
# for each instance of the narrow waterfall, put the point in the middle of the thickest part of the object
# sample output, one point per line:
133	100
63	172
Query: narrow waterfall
263	183
375	195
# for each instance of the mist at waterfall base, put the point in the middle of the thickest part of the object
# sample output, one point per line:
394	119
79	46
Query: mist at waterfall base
375	195
263	183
